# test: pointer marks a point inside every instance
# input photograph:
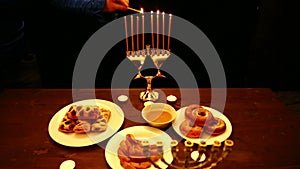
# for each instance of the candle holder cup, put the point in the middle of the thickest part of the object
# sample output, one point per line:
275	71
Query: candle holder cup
138	58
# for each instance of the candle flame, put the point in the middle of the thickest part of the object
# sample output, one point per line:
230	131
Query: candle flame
170	14
163	13
142	10
151	12
157	12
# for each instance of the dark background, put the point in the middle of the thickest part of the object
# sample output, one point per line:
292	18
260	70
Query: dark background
256	41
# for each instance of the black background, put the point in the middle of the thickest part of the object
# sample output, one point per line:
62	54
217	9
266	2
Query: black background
256	41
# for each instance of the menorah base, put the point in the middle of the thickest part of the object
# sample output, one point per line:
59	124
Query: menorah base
149	95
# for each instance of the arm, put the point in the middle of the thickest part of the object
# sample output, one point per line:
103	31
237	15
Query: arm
91	7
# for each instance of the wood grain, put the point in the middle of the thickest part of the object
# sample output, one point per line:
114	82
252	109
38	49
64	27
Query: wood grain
265	131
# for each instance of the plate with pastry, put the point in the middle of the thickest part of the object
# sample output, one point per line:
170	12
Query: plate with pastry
85	122
200	123
138	147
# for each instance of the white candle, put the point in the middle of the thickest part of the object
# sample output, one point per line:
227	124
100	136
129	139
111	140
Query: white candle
143	20
152	29
163	30
126	34
132	40
157	29
137	33
169	32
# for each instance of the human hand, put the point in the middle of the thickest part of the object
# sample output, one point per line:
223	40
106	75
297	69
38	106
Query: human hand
113	5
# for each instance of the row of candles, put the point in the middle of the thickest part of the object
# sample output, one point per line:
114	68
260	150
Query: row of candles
152	30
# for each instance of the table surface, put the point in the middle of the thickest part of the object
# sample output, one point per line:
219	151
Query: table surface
265	131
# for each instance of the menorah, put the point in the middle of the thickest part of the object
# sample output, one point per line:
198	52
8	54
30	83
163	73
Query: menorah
158	53
190	155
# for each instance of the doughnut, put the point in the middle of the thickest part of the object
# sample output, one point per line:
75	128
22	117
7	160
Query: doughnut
215	127
198	114
190	130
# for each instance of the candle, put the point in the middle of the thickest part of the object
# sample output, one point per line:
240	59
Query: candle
137	33
143	20
135	10
152	29
157	29
132	40
169	32
126	34
163	30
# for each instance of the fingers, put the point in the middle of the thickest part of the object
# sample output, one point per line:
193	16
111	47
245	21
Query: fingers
120	7
122	2
113	5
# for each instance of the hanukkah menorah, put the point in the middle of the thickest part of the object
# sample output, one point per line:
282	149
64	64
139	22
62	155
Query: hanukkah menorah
158	52
192	156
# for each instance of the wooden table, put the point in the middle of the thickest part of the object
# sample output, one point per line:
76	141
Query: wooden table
265	131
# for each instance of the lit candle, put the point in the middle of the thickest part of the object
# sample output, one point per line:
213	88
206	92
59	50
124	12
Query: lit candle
126	34
163	30
132	40
152	29
170	20
157	29
137	33
143	20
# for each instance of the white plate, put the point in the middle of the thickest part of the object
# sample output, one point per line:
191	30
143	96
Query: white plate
209	139
80	140
140	133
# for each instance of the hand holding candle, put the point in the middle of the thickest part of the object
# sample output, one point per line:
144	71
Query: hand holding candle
135	10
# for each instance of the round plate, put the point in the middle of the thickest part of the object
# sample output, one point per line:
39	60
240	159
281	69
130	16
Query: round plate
140	133
209	139
80	140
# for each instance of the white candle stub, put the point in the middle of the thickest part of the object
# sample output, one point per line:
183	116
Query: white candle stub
195	156
68	164
123	98
148	103
171	98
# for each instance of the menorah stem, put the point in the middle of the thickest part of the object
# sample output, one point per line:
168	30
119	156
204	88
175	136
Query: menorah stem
202	151
160	151
215	149
228	144
188	151
212	154
146	151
